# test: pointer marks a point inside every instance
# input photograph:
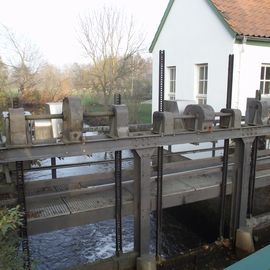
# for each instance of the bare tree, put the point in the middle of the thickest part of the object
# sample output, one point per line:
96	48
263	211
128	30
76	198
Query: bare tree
138	86
23	58
4	85
54	85
80	77
109	40
3	76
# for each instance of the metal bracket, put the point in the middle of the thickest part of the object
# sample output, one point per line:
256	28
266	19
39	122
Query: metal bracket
72	119
231	121
17	127
203	117
163	123
119	122
256	112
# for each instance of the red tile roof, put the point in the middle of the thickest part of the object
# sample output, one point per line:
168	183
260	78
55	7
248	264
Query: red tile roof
246	17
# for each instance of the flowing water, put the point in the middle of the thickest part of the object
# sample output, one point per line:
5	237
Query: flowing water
75	246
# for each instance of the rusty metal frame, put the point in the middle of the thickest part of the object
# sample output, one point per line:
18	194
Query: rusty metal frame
101	143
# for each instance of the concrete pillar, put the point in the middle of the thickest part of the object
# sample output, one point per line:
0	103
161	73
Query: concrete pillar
244	243
240	192
142	199
146	262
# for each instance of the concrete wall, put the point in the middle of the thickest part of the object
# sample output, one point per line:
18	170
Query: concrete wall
194	34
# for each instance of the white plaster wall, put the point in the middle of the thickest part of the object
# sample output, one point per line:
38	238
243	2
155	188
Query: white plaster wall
194	34
247	71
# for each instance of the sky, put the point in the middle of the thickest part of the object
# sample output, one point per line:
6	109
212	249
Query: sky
51	24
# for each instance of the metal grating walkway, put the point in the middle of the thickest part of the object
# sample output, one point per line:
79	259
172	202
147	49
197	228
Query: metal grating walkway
70	202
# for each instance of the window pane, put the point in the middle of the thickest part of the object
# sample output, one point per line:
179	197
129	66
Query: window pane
262	73
172	86
267	88
267	73
261	86
201	73
205	87
201	77
201	88
172	74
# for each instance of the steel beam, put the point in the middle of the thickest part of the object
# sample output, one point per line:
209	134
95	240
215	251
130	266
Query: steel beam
101	144
142	199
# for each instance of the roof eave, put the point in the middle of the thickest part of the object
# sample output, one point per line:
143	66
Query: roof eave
162	22
253	38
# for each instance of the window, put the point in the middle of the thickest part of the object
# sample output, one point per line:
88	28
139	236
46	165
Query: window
202	80
172	81
265	79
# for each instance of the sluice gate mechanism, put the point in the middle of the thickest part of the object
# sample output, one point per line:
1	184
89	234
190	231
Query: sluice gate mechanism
62	202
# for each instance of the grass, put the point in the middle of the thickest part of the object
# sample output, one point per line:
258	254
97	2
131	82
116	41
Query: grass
145	113
92	104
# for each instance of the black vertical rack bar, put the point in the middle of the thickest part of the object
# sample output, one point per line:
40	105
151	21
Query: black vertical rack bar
230	82
223	187
53	164
21	202
117	99
160	159
252	176
15	102
253	168
161	81
118	193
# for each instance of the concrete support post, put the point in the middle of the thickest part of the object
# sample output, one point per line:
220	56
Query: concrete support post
240	233
142	196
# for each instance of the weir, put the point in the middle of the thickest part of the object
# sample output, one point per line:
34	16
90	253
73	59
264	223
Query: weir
54	204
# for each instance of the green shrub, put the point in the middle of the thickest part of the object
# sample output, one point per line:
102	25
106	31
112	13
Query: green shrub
10	257
87	100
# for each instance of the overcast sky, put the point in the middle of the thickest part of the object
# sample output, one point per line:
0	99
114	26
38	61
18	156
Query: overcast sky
51	24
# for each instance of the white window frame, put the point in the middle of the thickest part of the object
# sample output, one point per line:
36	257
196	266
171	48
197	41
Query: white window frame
201	94
172	82
264	80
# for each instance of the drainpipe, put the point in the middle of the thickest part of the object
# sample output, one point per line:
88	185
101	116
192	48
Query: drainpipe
242	50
